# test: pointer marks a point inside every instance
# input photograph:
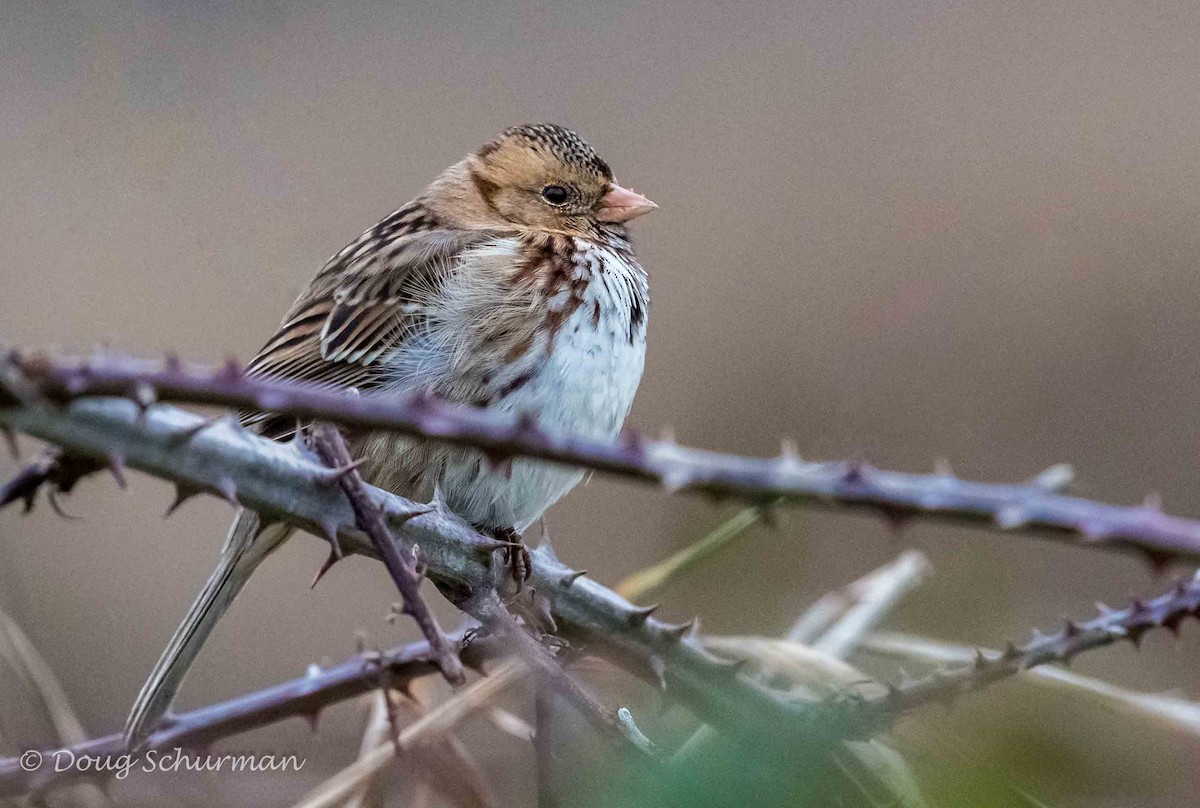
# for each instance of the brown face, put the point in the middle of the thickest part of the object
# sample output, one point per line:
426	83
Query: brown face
545	177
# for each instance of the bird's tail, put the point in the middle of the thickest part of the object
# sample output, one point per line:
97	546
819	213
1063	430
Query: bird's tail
244	550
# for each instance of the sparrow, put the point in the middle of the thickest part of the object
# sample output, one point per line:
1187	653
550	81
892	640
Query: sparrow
509	284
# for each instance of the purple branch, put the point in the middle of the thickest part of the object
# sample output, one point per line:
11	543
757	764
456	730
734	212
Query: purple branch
1030	508
1112	625
303	697
332	449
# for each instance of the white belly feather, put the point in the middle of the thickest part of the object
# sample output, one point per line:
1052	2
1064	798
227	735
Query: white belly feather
580	379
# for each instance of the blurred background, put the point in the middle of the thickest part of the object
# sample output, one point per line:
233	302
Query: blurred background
898	232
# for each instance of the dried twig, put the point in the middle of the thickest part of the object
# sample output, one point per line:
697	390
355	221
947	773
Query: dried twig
648	581
29	683
1032	507
430	727
333	451
875	596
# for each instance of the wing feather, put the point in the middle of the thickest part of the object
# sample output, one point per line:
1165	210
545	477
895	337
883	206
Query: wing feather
359	308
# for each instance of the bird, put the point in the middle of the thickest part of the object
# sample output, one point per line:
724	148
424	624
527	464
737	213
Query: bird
509	284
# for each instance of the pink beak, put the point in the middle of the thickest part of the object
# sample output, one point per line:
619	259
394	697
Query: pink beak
621	205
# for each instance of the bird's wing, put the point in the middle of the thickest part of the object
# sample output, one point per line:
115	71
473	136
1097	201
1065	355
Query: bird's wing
359	308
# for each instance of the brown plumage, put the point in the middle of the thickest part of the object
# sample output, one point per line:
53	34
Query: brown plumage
510	284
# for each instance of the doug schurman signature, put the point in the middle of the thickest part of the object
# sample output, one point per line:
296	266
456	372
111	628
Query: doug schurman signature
158	760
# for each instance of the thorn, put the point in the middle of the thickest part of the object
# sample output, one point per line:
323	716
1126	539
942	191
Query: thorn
331	476
1153	502
789	452
1054	479
116	466
1158	560
182	494
171	362
667	436
567	581
1135	633
227	490
1010	652
10	440
330	560
75	383
941	467
769	515
329	529
677	631
527	423
544	547
854	472
638	616
231	371
55	506
675	480
187	433
980	660
1011	516
732	667
541	606
1172	621
313	717
1104	609
486	546
659	668
631	440
1071	629
144	396
896	518
499	462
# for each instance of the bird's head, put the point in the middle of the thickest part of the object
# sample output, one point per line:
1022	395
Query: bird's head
544	177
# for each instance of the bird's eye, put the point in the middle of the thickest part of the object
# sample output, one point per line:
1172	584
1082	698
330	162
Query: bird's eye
556	194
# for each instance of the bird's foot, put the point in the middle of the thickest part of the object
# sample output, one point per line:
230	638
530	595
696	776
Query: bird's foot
516	556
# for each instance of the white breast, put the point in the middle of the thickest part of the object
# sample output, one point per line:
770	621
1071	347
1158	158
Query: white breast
581	378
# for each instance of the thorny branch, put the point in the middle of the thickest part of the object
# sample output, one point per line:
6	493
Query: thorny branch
303	697
1034	507
496	617
286	482
331	448
1130	623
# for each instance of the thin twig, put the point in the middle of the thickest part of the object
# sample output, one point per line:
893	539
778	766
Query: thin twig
1130	623
332	449
876	595
303	697
443	762
1180	714
1032	508
491	611
648	581
430	727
